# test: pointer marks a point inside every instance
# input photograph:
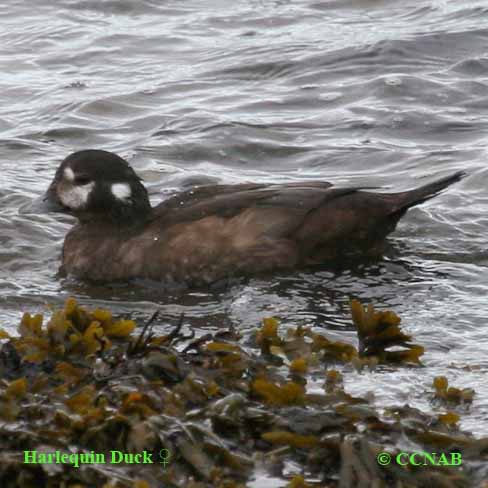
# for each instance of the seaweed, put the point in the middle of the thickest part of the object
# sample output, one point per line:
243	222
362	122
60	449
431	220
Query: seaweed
219	407
449	394
378	331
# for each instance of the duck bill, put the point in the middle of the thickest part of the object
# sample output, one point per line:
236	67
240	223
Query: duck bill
44	204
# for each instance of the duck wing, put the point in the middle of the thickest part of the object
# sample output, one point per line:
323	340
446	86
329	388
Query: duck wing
227	201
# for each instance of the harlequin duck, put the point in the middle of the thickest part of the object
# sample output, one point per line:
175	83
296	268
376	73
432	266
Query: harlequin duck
214	232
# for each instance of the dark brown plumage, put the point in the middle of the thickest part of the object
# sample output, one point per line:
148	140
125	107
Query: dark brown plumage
218	231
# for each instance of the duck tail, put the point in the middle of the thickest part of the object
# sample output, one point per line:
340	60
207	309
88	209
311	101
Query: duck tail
410	198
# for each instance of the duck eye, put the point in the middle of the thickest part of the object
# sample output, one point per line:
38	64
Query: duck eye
82	180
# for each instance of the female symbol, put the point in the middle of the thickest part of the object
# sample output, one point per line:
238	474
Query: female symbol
165	455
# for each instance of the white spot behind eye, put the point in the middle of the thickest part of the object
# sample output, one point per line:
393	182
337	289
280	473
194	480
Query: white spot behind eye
121	191
69	174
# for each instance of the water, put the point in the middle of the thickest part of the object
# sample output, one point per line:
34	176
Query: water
382	93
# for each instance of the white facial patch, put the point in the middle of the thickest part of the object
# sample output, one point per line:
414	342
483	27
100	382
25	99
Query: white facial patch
121	191
76	197
69	174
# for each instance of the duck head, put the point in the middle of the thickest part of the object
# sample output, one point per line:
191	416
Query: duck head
97	186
